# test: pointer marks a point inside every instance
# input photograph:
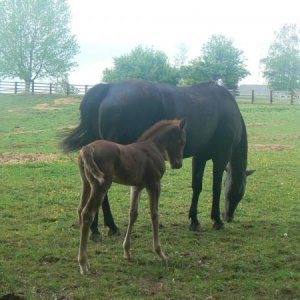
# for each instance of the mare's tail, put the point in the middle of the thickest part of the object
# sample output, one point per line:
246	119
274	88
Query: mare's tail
240	153
87	156
87	131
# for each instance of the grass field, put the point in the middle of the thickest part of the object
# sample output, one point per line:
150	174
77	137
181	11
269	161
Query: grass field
255	257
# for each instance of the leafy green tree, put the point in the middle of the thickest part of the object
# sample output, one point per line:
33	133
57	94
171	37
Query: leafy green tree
35	39
220	61
282	64
144	63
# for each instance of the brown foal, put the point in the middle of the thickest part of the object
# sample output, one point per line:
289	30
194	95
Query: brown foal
140	165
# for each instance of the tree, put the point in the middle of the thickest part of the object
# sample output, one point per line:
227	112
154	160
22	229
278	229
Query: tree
35	39
220	61
181	55
282	64
144	63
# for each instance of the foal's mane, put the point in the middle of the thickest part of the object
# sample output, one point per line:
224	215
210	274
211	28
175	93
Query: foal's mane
159	127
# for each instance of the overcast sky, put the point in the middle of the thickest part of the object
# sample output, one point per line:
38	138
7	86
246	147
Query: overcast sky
109	28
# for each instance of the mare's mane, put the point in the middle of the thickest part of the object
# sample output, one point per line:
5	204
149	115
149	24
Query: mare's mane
158	128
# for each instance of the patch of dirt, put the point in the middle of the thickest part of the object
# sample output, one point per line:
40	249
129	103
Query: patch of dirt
57	103
65	101
12	296
287	138
256	124
44	106
272	147
14	158
46	259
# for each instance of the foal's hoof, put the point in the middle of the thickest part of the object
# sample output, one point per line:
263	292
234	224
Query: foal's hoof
227	218
195	227
96	237
218	225
112	232
84	270
127	255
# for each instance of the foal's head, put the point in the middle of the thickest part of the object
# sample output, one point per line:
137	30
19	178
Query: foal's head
170	137
175	144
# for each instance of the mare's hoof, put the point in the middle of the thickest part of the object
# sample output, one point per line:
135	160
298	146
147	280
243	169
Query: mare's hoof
218	225
112	232
195	227
96	237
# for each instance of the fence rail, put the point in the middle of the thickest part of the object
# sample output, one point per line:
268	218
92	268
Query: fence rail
18	87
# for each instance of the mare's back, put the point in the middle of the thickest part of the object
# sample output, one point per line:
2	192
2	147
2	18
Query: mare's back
128	110
131	107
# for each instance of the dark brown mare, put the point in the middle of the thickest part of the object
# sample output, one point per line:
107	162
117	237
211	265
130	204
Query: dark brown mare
121	111
140	165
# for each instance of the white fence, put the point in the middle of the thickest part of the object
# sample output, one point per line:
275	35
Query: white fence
18	87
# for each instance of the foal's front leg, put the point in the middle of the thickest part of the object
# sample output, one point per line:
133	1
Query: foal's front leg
154	193
135	193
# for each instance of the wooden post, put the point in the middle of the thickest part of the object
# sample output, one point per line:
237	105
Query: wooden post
50	88
271	97
252	97
32	87
68	89
85	89
16	87
292	97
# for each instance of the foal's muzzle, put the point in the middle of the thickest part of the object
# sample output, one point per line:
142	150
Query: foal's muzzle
176	164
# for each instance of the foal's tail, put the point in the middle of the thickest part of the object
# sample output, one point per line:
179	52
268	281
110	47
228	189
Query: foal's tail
87	156
87	131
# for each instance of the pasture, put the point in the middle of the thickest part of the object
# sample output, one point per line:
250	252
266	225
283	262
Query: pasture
255	257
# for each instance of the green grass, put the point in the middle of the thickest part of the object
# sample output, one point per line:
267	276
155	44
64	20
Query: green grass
255	257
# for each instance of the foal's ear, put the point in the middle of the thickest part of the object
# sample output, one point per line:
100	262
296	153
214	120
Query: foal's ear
249	172
182	124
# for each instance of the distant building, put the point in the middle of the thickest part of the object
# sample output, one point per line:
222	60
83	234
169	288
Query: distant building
259	89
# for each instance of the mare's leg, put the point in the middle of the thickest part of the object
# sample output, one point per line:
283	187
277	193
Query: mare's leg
154	193
218	170
95	233
135	193
108	218
197	180
108	221
87	215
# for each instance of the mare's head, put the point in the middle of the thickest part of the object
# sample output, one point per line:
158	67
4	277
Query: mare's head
170	138
234	191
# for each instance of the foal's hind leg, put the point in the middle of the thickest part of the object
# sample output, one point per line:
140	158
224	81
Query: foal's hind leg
154	193
87	215
133	214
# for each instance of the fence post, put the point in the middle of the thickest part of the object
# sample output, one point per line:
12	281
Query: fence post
32	87
271	97
16	87
68	89
292	98
85	89
50	89
252	97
